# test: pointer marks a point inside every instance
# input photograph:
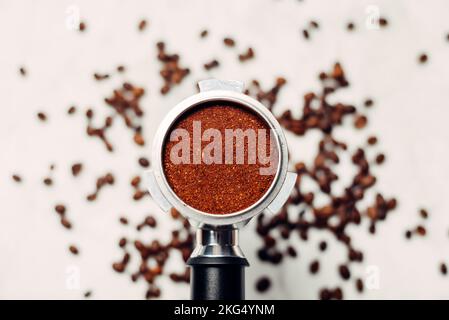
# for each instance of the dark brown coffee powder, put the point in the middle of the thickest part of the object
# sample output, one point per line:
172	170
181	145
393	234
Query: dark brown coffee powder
218	188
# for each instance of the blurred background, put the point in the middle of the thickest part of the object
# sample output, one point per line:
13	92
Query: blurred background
393	52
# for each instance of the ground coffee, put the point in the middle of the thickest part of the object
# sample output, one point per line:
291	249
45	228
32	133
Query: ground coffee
219	188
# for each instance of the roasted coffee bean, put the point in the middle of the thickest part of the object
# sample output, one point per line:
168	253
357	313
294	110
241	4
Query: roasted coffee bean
82	26
323	246
380	158
350	26
60	209
17	178
305	34
76	169
48	181
423	58
73	250
144	162
368	103
142	25
71	110
22	71
229	42
344	272
42	116
211	65
122	242
360	122
249	54
423	213
383	22
359	285
443	268
204	33
99	76
263	284
372	140
314	267
123	220
87	294
292	252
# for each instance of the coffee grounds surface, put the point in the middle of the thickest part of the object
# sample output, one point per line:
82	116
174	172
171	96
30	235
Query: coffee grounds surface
218	188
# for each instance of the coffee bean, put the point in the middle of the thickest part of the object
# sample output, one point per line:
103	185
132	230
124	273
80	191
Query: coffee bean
359	285
344	272
76	169
423	213
204	33
229	42
17	178
142	25
423	58
73	250
42	116
60	209
48	181
22	71
263	284
82	26
323	246
314	267
71	110
350	26
144	162
443	268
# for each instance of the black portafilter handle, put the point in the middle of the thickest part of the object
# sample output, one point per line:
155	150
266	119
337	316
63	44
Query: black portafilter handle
217	266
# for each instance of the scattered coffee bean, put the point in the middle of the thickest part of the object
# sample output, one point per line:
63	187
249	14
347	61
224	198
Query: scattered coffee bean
76	169
249	54
48	181
423	58
263	284
60	209
314	24
73	250
82	26
17	178
372	140
368	103
443	268
314	267
87	294
121	69
22	71
123	220
380	158
323	246
350	26
42	116
99	76
359	285
204	33
360	122
71	110
269	97
344	272
107	179
423	213
383	22
142	25
305	34
172	73
229	42
212	64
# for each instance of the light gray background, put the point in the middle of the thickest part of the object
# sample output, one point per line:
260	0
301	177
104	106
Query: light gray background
409	117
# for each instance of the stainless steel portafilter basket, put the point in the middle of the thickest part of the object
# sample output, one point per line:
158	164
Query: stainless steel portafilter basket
217	261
